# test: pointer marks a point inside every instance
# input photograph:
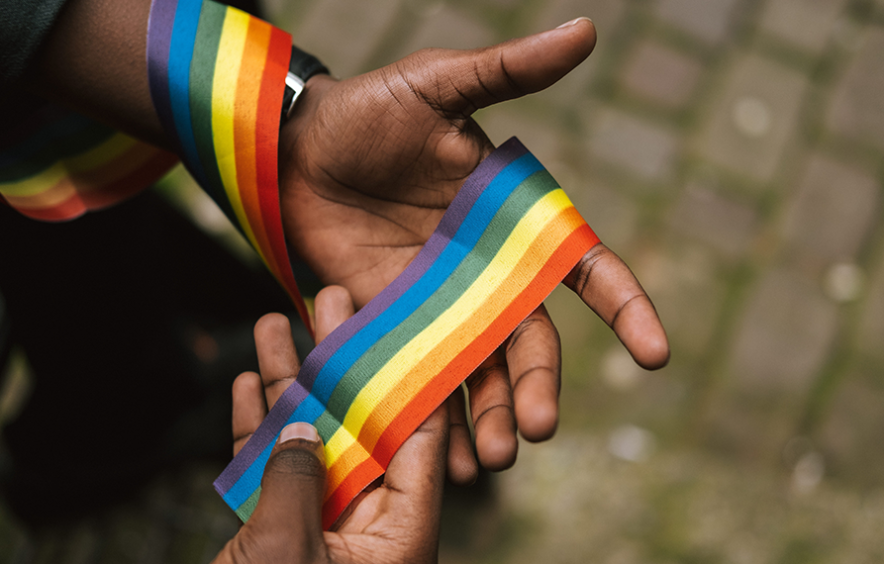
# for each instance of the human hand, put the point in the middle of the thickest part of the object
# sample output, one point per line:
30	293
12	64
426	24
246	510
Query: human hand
368	166
394	520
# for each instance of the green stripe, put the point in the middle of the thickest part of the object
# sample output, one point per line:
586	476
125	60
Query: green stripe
510	213
245	510
326	425
202	76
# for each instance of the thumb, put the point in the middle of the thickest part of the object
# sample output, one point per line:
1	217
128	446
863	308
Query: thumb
289	512
478	78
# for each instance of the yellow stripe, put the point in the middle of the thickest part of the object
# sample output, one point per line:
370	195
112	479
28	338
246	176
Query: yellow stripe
338	445
92	159
227	68
49	198
526	231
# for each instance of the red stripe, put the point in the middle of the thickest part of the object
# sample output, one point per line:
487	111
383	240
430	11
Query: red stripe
267	135
353	484
68	209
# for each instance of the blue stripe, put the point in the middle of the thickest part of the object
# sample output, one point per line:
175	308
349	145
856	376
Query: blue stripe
182	44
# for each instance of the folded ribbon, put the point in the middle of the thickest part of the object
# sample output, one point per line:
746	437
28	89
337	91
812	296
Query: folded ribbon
508	238
217	77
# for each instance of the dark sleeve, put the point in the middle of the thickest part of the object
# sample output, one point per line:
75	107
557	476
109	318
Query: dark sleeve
23	26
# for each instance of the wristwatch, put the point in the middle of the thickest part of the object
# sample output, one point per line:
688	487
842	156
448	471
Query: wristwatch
301	67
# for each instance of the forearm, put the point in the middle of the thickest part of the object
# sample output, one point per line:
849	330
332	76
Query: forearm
93	61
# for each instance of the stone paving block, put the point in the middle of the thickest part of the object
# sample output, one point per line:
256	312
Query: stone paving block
343	33
612	215
641	147
831	213
784	336
709	20
857	108
502	121
805	23
605	15
702	214
754	118
450	28
688	294
661	74
871	333
852	434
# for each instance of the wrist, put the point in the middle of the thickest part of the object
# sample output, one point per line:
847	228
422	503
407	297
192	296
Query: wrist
307	104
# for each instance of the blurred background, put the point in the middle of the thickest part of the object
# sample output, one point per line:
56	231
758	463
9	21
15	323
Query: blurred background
731	152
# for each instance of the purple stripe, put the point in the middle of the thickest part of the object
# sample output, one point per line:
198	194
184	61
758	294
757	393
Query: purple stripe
454	216
276	419
159	39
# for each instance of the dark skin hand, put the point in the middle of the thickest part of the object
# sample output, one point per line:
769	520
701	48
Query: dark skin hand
371	163
368	166
395	520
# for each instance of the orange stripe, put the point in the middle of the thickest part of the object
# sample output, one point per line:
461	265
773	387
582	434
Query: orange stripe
352	457
247	92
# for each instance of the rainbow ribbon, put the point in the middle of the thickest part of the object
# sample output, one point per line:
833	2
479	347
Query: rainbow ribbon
508	238
58	165
216	78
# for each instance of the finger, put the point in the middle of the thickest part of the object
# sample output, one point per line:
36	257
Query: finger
606	285
288	516
249	409
533	357
416	479
491	405
462	466
277	357
418	467
333	307
479	78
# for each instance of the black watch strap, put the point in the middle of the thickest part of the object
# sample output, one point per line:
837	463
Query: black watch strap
301	67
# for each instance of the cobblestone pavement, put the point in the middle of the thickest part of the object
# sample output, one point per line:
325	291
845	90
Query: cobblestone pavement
731	152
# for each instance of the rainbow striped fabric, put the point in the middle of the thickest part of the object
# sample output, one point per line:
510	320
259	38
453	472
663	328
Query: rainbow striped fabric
217	77
508	238
58	165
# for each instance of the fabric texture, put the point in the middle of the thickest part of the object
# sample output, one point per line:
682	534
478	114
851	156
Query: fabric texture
508	238
23	26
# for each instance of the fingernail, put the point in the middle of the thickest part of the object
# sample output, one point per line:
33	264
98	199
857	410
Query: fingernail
574	21
299	430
